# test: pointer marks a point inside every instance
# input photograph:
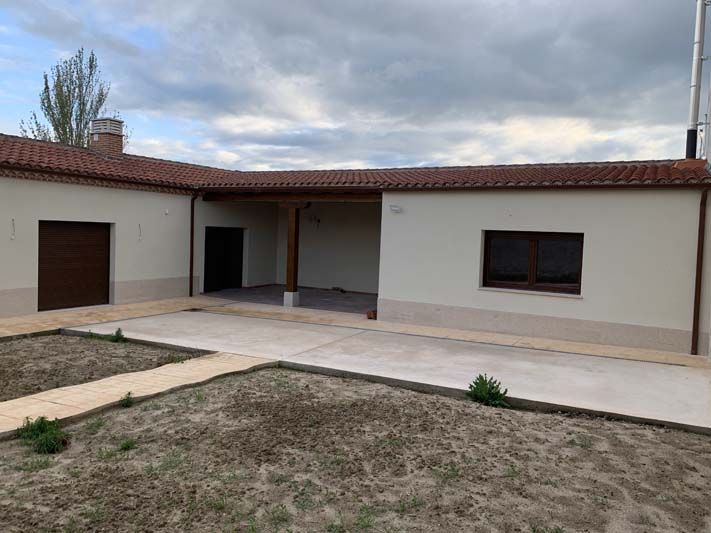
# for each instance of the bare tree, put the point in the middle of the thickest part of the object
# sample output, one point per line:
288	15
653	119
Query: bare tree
73	95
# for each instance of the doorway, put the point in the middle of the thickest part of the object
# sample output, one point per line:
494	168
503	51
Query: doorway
223	258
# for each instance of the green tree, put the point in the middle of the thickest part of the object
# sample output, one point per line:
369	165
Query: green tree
73	95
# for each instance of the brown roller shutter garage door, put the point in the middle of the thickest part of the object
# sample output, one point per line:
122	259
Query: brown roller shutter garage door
73	264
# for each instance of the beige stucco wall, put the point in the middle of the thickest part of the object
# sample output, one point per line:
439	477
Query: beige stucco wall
258	219
339	246
152	265
638	263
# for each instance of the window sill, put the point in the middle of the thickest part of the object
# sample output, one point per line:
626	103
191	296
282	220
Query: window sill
533	293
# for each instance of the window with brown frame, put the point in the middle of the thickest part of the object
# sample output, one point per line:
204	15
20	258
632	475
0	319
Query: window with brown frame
534	261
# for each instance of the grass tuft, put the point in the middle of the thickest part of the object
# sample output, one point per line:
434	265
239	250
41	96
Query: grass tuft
35	465
447	473
43	435
117	336
127	400
278	516
127	444
365	521
582	441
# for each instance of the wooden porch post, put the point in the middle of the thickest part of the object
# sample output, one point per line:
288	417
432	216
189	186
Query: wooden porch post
291	296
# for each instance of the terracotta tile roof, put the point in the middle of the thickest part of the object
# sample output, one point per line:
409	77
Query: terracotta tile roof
42	160
635	173
30	155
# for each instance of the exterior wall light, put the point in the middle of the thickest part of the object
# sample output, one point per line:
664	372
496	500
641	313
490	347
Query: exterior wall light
395	208
12	230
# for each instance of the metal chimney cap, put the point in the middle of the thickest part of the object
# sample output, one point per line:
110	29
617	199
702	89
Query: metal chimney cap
107	125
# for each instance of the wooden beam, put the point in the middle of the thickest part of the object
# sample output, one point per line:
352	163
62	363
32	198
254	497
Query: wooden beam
292	252
302	198
298	205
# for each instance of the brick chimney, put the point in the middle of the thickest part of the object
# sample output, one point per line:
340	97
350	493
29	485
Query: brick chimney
107	136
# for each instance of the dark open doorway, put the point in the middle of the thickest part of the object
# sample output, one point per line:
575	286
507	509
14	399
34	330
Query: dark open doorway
223	258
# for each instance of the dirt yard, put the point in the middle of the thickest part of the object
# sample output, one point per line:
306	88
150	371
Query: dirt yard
31	365
279	450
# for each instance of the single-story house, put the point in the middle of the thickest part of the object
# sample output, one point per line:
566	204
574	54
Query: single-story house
609	252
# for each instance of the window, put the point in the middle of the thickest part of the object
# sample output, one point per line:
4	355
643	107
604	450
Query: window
534	261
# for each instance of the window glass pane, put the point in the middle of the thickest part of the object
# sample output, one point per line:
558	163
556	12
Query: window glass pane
559	261
508	260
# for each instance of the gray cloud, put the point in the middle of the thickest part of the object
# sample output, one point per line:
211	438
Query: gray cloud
317	82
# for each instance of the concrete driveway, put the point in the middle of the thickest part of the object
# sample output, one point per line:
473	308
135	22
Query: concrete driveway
657	392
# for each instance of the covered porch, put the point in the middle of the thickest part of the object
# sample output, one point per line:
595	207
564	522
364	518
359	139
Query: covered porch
319	251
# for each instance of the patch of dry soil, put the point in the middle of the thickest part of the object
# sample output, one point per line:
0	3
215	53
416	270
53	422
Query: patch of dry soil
35	364
279	450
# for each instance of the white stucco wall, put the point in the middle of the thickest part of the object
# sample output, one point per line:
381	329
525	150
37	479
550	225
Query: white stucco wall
154	265
638	259
260	222
339	246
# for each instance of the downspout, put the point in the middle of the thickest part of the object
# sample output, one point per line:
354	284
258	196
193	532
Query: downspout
699	273
192	241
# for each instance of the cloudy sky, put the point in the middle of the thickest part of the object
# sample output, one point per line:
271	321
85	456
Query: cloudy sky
271	84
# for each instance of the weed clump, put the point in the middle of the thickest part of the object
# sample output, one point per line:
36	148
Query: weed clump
43	436
117	336
127	400
487	391
127	444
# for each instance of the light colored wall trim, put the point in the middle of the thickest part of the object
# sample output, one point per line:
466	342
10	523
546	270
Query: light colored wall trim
534	325
149	289
18	301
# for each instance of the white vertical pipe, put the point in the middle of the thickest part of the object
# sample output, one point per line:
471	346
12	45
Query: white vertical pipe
696	68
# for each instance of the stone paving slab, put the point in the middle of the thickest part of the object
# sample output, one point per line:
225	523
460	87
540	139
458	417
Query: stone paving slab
66	403
54	320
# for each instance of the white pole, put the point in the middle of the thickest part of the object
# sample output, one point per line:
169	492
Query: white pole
696	67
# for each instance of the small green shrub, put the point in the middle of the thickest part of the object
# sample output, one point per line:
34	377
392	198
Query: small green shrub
487	391
127	400
53	442
43	435
117	336
31	429
127	444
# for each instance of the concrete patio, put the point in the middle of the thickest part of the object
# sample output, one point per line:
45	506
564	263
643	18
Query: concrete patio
674	394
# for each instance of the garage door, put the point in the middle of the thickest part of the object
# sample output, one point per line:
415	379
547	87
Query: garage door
73	264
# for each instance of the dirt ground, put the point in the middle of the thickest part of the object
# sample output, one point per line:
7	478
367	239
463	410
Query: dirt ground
279	450
34	364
